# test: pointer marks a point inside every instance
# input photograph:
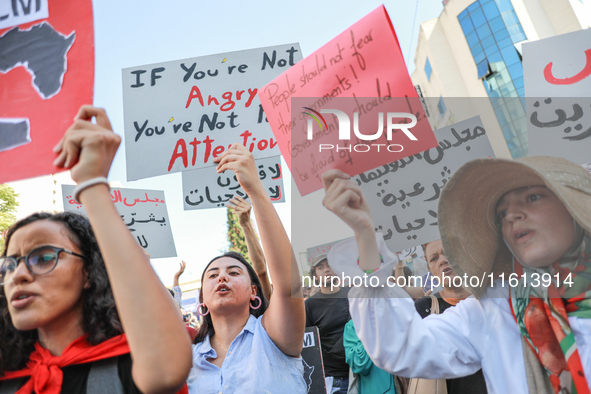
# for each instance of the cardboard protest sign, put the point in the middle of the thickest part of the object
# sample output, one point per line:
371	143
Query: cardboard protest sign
182	114
403	195
312	360
143	211
365	65
46	74
205	188
557	84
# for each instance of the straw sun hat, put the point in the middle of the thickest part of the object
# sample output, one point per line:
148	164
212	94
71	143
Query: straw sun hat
467	208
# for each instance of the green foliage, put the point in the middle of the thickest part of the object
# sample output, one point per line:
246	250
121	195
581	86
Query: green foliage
236	241
8	206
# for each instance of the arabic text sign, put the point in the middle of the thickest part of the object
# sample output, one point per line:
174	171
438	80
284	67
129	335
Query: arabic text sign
205	188
144	212
46	74
403	195
363	61
557	84
183	114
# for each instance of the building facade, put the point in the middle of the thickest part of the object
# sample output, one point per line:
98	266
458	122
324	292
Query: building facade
468	62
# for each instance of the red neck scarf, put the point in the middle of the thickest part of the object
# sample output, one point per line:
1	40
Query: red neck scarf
45	370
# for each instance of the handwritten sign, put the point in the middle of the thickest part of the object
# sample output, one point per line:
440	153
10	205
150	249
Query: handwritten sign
205	188
557	74
46	73
183	114
363	62
143	211
403	195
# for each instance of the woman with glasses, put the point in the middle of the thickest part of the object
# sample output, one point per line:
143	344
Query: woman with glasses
81	310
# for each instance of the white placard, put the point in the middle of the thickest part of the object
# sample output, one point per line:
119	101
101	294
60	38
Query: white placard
205	188
403	195
180	115
557	72
143	211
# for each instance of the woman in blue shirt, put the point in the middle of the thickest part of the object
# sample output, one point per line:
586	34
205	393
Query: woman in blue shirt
246	344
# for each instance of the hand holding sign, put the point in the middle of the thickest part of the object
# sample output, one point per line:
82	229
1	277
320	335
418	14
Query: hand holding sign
345	199
87	148
242	208
238	159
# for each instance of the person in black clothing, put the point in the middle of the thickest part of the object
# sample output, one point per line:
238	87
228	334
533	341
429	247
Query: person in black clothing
329	311
448	297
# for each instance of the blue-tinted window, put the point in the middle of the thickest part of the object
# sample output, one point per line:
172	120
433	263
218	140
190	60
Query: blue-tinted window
466	24
477	49
510	55
484	31
494	94
490	10
504	76
473	6
504	5
488	42
496	24
472	39
441	106
478	57
516	71
428	69
492	83
501	35
477	17
491	50
505	43
510	18
495	58
516	110
518	37
482	68
517	153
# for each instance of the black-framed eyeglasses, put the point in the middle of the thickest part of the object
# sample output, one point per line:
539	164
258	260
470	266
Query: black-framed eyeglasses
39	261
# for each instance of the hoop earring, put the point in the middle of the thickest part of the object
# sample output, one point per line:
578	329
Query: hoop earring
199	310
260	303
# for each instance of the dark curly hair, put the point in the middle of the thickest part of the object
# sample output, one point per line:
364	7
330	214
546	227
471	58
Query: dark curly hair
100	317
206	328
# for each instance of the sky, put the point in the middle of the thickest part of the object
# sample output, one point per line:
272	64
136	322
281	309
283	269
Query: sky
133	33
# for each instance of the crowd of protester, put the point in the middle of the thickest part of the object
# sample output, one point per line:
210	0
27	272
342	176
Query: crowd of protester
72	321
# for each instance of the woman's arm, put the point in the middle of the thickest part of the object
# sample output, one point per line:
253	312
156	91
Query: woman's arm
346	200
176	288
440	346
255	251
285	318
159	343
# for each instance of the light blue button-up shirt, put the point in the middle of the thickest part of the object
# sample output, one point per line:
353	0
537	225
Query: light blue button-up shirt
253	364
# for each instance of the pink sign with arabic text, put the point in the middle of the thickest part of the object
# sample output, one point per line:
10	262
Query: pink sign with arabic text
317	128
